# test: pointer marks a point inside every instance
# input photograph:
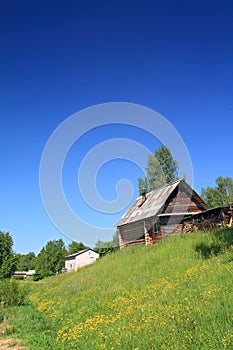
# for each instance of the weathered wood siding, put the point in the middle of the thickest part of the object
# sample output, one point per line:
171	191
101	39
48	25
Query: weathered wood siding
215	217
132	232
151	235
167	206
170	225
180	202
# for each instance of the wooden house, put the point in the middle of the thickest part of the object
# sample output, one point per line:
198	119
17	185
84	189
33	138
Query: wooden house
159	213
80	259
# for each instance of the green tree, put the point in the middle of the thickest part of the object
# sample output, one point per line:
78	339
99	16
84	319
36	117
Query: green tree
219	195
25	262
115	239
75	247
104	248
51	258
7	257
161	169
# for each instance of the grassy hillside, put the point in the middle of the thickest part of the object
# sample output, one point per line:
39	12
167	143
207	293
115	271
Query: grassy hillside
174	295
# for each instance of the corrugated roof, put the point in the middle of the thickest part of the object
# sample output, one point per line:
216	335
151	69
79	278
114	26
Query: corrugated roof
155	202
151	207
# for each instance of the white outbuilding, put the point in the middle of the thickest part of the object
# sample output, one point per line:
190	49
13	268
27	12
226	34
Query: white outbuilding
83	258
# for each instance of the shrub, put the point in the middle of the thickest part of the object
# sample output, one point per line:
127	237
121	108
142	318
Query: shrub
11	293
37	276
218	241
208	250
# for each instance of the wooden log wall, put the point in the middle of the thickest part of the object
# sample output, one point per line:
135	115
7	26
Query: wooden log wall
180	202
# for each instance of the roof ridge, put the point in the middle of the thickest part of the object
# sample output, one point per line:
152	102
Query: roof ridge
166	185
79	252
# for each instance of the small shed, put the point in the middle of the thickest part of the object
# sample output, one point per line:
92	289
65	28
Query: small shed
214	217
23	274
82	258
159	213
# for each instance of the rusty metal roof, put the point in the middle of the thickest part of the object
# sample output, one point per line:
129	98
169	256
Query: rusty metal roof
154	203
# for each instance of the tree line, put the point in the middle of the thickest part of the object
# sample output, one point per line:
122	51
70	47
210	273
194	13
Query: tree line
161	169
49	261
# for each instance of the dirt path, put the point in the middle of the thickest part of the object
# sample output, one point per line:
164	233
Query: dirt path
8	343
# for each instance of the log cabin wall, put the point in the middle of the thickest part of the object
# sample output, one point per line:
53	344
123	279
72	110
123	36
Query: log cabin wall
180	202
152	236
170	225
165	207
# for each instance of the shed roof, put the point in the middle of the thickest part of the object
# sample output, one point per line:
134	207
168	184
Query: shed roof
155	201
224	208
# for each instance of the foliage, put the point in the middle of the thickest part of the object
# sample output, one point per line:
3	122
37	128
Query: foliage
115	239
30	324
25	262
103	248
161	169
144	297
51	259
218	242
11	293
221	194
7	258
39	275
75	247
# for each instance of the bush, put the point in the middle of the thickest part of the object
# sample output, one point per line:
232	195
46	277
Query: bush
11	293
219	240
208	250
37	276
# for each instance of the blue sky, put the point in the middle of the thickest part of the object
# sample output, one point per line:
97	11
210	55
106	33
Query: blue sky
57	58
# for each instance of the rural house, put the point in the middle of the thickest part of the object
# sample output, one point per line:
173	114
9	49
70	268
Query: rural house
80	259
159	213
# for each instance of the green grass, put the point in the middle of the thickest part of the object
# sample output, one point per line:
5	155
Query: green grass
174	295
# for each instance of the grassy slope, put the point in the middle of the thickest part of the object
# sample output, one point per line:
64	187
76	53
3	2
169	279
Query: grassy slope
164	296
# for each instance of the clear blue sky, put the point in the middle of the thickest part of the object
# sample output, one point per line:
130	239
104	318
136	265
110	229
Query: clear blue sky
58	57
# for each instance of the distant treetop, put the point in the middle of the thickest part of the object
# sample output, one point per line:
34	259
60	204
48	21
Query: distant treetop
161	169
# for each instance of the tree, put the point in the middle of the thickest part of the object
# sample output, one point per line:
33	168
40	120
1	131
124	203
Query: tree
115	239
161	169
7	257
221	194
51	258
104	248
25	262
75	247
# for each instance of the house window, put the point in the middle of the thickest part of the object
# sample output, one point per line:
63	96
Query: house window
156	227
71	266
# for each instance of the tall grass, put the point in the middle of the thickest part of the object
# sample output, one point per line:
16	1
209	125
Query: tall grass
11	293
167	296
